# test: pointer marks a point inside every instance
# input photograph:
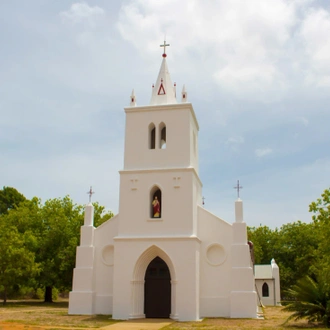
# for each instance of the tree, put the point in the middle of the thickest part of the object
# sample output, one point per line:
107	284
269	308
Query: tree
321	220
100	214
296	252
264	241
50	233
17	263
9	199
311	299
59	235
294	247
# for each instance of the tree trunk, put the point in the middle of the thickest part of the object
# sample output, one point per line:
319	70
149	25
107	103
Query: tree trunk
5	295
49	294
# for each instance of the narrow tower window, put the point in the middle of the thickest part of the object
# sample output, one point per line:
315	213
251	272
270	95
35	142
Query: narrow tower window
265	290
155	203
162	129
152	136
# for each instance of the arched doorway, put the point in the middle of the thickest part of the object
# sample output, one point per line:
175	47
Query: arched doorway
157	290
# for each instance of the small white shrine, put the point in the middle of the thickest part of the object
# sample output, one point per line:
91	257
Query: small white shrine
267	278
163	255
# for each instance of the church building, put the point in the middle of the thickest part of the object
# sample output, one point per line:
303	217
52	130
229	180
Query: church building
267	279
163	255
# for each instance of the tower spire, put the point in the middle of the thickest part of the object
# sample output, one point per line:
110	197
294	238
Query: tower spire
163	91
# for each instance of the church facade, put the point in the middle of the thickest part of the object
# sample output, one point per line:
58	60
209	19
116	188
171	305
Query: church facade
163	254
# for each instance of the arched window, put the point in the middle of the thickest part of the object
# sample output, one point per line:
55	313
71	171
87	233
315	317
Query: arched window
155	203
265	290
162	130
152	136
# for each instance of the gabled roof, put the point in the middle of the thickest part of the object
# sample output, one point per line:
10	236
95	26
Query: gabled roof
263	272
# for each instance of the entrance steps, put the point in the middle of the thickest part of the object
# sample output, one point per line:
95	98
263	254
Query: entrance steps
140	324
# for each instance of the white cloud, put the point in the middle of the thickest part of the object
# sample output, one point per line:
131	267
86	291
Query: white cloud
315	37
253	49
263	152
235	140
238	43
81	11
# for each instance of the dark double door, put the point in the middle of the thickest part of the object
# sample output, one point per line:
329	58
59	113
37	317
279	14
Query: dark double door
157	290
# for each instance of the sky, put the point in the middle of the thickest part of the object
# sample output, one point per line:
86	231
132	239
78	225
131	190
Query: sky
257	73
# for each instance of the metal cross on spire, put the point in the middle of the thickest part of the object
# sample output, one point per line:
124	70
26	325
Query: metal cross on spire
238	187
90	193
164	45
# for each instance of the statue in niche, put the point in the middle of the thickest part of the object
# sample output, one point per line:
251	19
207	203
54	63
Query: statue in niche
156	207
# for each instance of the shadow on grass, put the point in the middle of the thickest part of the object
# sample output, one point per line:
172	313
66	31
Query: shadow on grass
35	304
101	318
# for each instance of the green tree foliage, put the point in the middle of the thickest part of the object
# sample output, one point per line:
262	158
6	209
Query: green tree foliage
321	221
311	299
17	263
296	252
294	247
100	214
58	236
264	240
300	249
9	199
48	234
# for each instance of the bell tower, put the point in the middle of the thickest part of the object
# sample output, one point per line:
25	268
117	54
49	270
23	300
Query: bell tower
159	184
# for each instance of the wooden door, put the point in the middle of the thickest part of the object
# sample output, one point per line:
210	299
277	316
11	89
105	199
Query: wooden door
157	290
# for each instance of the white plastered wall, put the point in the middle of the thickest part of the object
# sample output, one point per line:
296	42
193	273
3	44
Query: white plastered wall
104	264
243	297
270	300
178	205
132	259
180	124
81	298
276	277
215	263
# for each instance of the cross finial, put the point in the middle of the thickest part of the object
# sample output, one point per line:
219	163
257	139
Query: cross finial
203	199
238	187
90	193
164	45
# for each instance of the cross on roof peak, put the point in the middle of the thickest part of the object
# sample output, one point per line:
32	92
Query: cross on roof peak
90	193
238	188
164	45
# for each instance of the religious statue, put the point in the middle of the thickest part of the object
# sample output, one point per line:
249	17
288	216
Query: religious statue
156	207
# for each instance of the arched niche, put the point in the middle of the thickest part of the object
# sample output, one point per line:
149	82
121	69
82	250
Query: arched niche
152	136
162	141
155	203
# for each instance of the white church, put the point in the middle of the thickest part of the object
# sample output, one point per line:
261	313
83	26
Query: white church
163	255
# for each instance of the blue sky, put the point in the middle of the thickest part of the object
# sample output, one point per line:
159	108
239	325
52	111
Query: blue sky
257	73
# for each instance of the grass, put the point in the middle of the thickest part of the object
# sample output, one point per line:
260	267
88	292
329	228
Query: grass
275	318
50	316
31	315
